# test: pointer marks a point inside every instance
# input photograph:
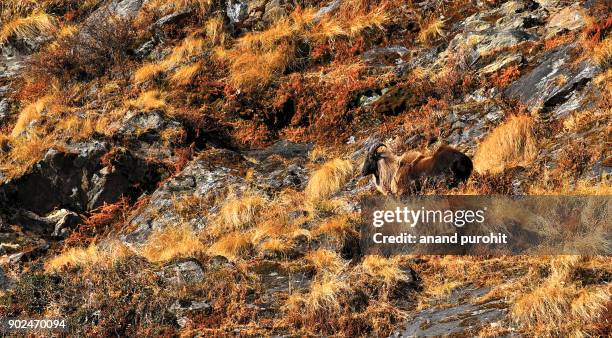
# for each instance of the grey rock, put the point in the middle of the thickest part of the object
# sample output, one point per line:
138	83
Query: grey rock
552	82
75	178
421	58
174	18
12	61
212	173
568	19
57	223
4	281
327	9
146	49
551	4
274	9
4	110
151	134
385	56
237	11
186	306
63	220
126	8
501	63
147	126
433	322
283	148
188	271
494	115
16	258
478	37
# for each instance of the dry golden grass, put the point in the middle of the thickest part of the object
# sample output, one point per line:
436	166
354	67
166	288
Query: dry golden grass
385	269
31	112
255	69
189	48
590	304
98	256
185	75
271	228
318	153
67	30
231	246
512	143
76	127
602	53
375	18
276	245
324	295
259	57
173	6
431	29
328	179
586	188
241	211
190	206
149	100
282	31
30	27
338	226
325	261
171	242
443	289
23	154
545	304
147	72
557	304
322	298
215	32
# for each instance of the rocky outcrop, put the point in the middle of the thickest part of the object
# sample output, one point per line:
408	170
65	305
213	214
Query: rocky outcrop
186	271
125	8
78	178
553	82
58	223
495	31
214	173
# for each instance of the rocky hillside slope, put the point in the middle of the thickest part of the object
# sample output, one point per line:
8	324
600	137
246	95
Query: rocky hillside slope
192	166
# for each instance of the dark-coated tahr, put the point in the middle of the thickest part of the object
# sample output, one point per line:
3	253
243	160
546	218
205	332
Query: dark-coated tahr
400	175
370	165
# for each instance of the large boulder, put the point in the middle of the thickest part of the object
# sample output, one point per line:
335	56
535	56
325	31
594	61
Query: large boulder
185	271
125	8
56	224
568	19
80	177
553	81
494	33
212	175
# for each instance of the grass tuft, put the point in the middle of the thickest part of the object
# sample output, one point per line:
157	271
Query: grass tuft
330	178
104	256
512	143
241	212
325	261
149	100
185	75
431	30
28	28
231	246
386	269
171	242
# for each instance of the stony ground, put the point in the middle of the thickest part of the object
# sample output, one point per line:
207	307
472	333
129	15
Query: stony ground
192	166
